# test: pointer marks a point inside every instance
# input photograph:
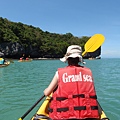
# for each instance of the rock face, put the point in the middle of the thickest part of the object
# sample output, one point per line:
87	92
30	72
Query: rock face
16	50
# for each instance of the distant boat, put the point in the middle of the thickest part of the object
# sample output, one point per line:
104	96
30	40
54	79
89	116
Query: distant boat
98	57
92	58
5	64
29	60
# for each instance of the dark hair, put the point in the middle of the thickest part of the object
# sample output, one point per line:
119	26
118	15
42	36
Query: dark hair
73	61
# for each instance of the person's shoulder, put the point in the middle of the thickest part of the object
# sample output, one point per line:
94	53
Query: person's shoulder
62	68
87	69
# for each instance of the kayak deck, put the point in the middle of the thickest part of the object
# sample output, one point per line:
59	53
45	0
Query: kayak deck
43	114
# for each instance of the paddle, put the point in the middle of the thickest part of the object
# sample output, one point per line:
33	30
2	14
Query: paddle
90	46
11	61
93	43
31	108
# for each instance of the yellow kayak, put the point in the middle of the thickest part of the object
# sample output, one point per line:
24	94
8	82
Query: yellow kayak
42	113
5	64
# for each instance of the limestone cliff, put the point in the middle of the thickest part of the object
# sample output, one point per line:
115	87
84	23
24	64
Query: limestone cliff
16	50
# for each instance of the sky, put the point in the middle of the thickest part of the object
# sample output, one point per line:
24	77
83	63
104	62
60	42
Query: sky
78	17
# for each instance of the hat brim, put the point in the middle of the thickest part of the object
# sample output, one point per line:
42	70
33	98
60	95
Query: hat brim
64	59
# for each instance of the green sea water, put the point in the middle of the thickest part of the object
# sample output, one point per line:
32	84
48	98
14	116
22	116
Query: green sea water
22	84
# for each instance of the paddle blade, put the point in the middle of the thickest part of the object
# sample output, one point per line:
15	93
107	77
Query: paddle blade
93	43
20	119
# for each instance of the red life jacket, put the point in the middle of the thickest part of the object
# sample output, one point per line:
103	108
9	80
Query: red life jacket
75	96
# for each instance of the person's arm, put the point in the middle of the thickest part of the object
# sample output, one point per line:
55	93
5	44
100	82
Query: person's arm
51	86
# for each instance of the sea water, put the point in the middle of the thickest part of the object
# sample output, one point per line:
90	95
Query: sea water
23	83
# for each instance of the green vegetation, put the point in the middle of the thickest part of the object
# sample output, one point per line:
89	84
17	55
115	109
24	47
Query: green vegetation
51	44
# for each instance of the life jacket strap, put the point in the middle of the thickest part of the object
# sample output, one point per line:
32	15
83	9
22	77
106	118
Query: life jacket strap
75	108
74	96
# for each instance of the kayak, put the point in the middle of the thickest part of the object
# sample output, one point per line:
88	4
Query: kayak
5	64
42	113
30	60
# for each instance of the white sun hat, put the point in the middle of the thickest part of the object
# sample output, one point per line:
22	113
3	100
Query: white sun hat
73	51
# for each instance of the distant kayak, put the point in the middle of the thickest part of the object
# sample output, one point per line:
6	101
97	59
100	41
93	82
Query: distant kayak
42	113
29	60
5	64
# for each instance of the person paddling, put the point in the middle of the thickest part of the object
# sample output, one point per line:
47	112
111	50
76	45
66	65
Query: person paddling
2	57
23	57
75	96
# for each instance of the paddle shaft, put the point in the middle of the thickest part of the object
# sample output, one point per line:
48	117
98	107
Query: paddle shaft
31	108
